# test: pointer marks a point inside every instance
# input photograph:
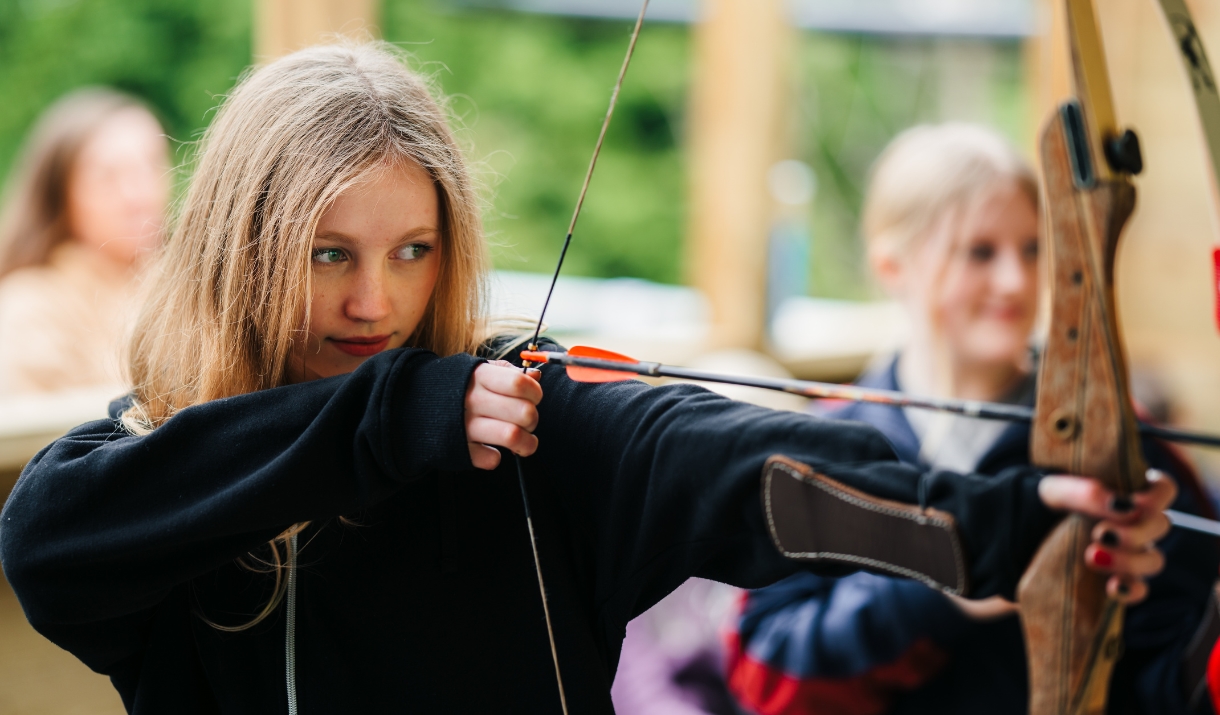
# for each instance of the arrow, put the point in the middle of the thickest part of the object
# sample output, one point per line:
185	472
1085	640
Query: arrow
586	364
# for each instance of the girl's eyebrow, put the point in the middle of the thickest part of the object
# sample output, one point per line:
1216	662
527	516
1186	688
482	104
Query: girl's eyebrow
344	238
420	231
333	236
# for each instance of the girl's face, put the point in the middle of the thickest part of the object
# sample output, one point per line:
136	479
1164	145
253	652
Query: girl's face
974	280
119	185
375	260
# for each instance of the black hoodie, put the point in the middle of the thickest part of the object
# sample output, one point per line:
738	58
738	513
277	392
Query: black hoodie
423	598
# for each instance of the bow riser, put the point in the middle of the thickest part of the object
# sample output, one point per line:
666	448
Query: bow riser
1084	422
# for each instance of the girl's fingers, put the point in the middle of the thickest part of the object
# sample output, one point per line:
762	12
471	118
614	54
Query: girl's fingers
482	456
1089	497
1140	564
1126	591
485	403
1133	537
496	433
503	379
1159	495
1123	541
501	412
1079	494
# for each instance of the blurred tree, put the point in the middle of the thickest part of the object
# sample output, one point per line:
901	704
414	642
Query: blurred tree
532	91
176	55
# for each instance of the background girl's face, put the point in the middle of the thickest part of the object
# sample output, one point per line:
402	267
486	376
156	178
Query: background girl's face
974	280
119	186
375	260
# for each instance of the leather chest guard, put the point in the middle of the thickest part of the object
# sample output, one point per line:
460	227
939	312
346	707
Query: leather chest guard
815	519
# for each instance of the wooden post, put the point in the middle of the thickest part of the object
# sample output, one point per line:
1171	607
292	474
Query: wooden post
283	26
737	125
1163	277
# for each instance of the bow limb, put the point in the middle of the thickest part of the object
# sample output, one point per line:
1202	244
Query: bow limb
1084	421
1207	102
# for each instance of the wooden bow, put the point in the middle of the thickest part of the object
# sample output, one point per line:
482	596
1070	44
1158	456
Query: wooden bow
1084	421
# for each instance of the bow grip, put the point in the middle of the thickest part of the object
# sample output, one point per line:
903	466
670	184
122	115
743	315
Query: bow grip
1084	423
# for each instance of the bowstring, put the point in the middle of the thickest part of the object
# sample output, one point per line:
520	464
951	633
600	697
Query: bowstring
533	344
584	189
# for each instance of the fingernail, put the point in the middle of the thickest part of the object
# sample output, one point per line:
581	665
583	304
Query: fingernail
1109	538
1102	558
1123	589
1121	504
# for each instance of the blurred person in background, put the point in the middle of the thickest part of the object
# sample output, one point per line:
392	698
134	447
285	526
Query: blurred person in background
83	209
951	225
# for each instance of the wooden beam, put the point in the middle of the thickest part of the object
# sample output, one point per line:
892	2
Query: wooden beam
737	124
283	26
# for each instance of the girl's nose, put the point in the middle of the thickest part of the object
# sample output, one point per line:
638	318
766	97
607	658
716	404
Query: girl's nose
368	302
1012	274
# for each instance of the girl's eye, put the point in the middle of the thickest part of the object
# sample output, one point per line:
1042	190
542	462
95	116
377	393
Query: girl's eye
413	252
1031	251
328	255
982	252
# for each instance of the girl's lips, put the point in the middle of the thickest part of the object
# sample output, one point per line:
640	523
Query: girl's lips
362	347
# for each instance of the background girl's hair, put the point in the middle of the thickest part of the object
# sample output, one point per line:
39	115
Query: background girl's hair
34	218
230	296
930	169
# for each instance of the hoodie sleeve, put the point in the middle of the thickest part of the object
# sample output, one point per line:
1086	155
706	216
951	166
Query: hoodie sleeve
666	485
102	524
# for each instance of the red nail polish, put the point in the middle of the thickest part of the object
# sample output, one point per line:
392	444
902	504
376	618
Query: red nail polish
1102	558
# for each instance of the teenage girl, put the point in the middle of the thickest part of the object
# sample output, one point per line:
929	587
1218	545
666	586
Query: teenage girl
84	208
305	501
951	226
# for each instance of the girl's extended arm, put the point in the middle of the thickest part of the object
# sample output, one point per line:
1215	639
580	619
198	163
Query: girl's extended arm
664	484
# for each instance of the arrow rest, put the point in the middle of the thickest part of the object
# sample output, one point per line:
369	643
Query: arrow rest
1123	153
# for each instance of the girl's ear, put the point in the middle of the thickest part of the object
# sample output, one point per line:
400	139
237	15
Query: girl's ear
888	267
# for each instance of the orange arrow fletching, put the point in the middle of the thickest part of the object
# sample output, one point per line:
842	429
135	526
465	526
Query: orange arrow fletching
592	374
587	374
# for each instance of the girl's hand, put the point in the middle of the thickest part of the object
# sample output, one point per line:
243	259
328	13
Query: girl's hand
1124	541
501	411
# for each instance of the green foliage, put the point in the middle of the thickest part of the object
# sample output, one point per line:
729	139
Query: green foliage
533	91
176	55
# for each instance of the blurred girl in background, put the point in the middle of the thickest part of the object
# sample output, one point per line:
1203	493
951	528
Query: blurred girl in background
951	226
83	209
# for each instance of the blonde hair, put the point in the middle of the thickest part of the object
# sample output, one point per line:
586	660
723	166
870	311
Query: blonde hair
34	219
231	294
929	170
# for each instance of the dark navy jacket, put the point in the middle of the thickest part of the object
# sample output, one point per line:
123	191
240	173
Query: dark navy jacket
872	644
